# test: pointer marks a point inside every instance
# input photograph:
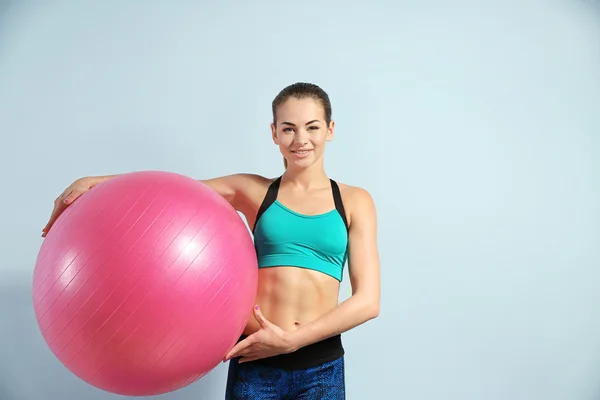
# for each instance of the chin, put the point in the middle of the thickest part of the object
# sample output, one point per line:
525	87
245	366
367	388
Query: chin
304	163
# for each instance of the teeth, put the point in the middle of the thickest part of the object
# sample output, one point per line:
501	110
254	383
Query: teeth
302	152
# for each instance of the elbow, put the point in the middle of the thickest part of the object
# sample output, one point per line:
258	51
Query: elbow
374	311
371	309
367	305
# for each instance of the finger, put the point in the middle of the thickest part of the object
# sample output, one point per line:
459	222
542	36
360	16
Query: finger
59	207
241	346
239	350
259	317
51	221
64	194
249	358
65	199
245	352
72	196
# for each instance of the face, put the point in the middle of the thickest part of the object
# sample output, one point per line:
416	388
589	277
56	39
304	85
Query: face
301	131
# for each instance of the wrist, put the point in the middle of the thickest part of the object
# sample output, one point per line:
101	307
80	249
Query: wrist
92	181
292	341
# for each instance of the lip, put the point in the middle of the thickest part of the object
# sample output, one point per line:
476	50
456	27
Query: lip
305	153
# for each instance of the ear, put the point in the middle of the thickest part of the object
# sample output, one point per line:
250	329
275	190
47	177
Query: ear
330	131
274	134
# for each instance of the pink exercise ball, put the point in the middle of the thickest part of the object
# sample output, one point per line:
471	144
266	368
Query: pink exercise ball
144	283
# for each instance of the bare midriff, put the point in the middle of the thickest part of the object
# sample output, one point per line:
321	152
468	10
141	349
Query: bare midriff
290	297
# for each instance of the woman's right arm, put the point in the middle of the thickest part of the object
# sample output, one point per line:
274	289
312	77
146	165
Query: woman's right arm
234	188
231	187
70	194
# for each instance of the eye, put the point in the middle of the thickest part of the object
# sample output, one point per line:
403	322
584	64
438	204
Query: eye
288	130
313	128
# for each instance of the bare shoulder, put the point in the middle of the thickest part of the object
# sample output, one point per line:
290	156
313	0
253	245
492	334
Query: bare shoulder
256	182
358	202
354	194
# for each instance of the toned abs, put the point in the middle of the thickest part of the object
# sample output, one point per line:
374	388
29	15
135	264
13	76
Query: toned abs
289	296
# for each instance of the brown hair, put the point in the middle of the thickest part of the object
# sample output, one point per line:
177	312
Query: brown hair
302	90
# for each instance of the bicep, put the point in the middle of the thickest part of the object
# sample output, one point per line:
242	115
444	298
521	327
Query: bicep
230	187
363	260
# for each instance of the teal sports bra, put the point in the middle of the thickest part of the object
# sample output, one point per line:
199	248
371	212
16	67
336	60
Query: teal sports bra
283	237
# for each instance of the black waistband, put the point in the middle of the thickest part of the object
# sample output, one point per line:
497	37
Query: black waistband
306	357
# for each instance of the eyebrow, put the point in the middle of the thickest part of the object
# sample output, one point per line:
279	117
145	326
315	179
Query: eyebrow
308	123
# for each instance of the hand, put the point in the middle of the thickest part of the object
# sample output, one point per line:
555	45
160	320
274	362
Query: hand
66	198
270	340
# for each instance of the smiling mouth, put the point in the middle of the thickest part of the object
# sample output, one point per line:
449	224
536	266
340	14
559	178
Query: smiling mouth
301	151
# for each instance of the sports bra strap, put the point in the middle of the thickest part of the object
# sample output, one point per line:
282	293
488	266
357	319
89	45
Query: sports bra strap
339	204
269	199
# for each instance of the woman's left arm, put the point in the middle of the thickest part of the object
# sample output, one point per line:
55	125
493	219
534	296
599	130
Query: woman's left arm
363	262
362	306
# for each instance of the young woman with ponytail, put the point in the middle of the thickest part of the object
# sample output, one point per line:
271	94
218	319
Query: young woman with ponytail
306	228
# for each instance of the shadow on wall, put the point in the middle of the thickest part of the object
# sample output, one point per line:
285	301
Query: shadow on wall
5	5
29	371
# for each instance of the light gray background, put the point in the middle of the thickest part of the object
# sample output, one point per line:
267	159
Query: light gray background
475	126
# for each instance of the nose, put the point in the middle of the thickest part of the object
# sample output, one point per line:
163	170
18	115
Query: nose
301	136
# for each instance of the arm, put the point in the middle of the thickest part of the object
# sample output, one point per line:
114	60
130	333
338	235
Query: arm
230	187
362	306
70	194
363	263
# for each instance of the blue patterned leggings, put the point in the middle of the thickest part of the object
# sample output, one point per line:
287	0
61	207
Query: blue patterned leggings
249	381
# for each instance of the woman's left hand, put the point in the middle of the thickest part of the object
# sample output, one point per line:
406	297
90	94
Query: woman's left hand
270	340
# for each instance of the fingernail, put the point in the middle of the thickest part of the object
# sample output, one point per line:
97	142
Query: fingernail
256	307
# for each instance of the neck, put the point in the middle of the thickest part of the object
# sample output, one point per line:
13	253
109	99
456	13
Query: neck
306	178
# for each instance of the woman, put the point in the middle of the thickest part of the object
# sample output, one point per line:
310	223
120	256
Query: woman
306	226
